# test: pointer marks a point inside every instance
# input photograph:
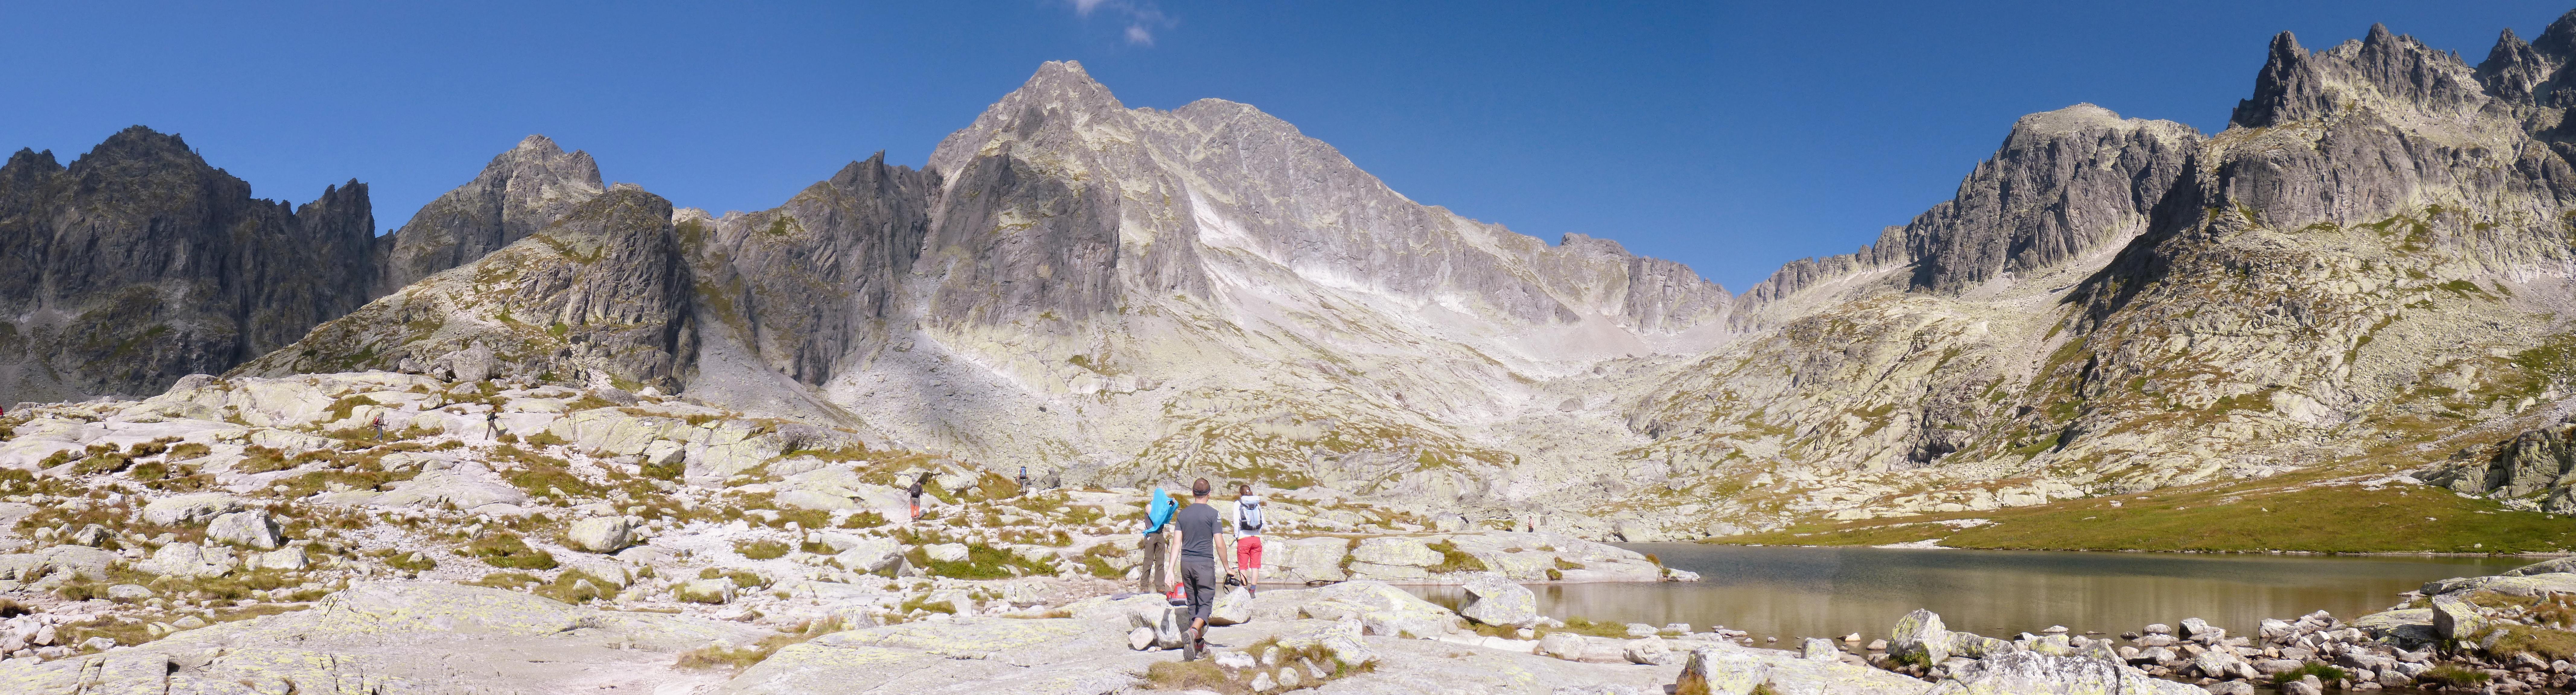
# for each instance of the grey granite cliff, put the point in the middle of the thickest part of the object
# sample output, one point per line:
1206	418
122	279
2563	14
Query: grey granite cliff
139	263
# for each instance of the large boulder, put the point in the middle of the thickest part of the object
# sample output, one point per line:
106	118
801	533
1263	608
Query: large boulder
289	558
190	509
2029	673
190	560
1381	609
62	560
1919	638
601	534
869	554
2222	664
1727	669
2454	618
1291	560
1341	639
251	529
1393	558
1234	608
1493	600
2560	565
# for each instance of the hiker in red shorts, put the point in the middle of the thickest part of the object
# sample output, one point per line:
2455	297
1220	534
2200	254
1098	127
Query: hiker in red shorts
1247	523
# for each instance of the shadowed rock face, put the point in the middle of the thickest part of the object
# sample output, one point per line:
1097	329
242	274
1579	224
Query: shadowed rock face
813	281
517	194
139	264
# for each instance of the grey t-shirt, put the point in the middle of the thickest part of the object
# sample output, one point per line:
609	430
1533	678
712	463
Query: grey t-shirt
1198	524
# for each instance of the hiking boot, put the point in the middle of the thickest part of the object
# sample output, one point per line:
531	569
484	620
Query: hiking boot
1191	645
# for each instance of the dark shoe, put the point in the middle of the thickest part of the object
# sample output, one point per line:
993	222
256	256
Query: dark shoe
1190	645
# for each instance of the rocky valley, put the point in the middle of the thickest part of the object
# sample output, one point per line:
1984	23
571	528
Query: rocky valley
568	434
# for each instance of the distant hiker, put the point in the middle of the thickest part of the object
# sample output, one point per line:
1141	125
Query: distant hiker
1024	480
1200	525
1247	522
917	482
379	422
492	424
1156	546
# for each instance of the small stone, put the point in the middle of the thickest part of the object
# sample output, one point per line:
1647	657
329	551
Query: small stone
2229	688
1288	678
1853	637
1234	660
1270	657
1140	639
1651	651
1878	645
189	623
1261	682
1814	649
945	552
128	593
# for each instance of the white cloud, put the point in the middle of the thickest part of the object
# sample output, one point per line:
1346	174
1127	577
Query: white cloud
1142	18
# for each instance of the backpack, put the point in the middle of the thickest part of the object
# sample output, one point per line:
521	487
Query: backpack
1158	511
1251	512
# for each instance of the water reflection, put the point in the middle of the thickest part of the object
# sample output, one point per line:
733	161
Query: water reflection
1820	592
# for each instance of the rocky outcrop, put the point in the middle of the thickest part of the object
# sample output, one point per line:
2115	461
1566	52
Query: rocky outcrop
603	295
519	193
140	263
2528	469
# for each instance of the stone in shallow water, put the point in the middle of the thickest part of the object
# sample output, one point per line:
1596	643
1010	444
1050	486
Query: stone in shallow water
1494	600
1920	637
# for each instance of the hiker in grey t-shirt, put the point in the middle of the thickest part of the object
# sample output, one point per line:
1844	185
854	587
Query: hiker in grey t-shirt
1199	524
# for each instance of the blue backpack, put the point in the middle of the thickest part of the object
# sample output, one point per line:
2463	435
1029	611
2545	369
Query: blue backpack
1158	511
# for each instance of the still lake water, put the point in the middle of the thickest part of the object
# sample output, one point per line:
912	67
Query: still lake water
1829	592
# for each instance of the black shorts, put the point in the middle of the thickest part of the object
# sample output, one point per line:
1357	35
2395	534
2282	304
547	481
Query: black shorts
1200	577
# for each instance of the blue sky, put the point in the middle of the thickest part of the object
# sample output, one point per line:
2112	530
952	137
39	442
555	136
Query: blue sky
1729	136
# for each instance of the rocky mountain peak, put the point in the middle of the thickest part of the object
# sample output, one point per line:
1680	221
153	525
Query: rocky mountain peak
2559	39
30	162
2513	69
519	192
2390	73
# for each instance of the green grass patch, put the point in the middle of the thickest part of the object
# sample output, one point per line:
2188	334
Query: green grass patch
2548	644
762	549
1454	560
2450	675
508	550
1580	626
2275	514
2321	671
982	562
260	459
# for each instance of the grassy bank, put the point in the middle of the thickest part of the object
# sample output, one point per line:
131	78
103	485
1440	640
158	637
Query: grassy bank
2314	515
